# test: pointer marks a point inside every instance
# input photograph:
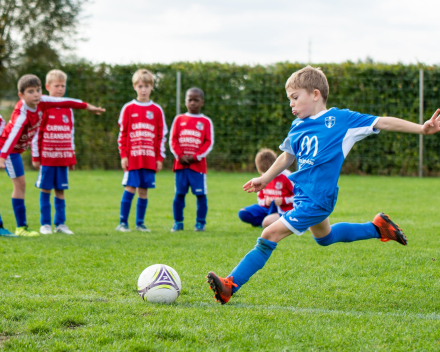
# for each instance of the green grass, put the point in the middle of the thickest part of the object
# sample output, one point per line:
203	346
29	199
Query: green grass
67	293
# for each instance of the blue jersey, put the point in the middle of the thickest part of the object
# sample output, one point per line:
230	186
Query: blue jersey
320	144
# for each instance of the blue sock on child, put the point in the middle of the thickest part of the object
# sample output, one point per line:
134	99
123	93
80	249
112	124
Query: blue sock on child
19	211
347	232
141	209
252	262
60	211
45	207
202	208
178	205
127	197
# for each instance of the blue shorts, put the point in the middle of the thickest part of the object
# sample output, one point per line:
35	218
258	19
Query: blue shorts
53	177
305	213
14	165
187	177
259	212
141	178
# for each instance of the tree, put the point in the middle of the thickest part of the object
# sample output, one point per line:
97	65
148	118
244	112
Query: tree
26	25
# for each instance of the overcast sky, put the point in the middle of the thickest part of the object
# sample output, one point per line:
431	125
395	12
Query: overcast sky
261	32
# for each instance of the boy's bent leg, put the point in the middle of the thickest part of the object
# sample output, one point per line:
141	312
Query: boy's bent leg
253	214
250	264
325	235
270	219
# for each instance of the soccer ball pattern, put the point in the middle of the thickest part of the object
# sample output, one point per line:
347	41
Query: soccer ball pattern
159	283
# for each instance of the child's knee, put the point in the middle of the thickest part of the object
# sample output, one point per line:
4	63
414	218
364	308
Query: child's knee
325	241
244	215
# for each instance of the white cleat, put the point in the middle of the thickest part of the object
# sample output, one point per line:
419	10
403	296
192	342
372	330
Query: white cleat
142	228
122	228
63	229
46	230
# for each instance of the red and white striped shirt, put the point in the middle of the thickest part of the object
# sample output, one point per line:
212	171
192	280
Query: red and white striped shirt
280	187
142	131
192	134
20	130
53	145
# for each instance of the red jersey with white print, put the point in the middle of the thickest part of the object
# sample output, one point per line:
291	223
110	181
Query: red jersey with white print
279	187
142	131
192	134
20	130
53	144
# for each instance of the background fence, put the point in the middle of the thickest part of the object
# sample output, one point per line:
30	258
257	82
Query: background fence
250	110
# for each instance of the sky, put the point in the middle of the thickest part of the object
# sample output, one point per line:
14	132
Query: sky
260	32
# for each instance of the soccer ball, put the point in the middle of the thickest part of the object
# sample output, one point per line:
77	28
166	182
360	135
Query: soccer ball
159	283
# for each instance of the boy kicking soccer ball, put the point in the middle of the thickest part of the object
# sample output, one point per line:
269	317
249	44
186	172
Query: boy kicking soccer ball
53	154
18	134
319	139
192	138
142	148
274	200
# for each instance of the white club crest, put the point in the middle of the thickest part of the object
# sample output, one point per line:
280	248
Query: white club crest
65	119
278	185
200	126
330	121
150	115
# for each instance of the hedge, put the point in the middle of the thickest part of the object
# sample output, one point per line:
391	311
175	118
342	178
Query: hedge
249	108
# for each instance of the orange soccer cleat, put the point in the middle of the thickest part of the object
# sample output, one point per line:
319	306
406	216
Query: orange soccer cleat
222	287
389	230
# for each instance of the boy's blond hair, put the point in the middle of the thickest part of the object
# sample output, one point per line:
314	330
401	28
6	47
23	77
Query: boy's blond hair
55	75
143	75
27	81
264	159
309	78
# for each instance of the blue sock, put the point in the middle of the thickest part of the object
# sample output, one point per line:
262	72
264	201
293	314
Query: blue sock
252	262
346	232
127	197
19	211
178	205
202	208
1	222
247	217
60	211
141	209
45	207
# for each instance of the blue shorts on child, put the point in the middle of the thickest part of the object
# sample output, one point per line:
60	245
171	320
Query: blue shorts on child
186	177
53	177
143	178
14	165
305	213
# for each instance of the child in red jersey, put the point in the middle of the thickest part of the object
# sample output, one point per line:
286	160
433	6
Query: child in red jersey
4	232
53	154
142	148
192	138
18	134
274	200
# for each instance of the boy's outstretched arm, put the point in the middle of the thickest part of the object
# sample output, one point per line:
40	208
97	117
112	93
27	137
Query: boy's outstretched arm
281	164
94	109
394	124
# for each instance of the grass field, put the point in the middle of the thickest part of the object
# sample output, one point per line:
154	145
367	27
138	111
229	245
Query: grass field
78	293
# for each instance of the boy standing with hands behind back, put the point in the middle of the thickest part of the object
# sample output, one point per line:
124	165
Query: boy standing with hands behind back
192	138
142	148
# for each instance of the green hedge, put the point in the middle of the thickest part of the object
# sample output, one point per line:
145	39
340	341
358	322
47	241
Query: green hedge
249	108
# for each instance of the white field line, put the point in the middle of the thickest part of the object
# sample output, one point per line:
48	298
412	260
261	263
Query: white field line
319	311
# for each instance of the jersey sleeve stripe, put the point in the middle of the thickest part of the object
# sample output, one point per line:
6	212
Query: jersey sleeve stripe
164	131
2	124
73	130
49	99
7	147
171	138
201	156
34	149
